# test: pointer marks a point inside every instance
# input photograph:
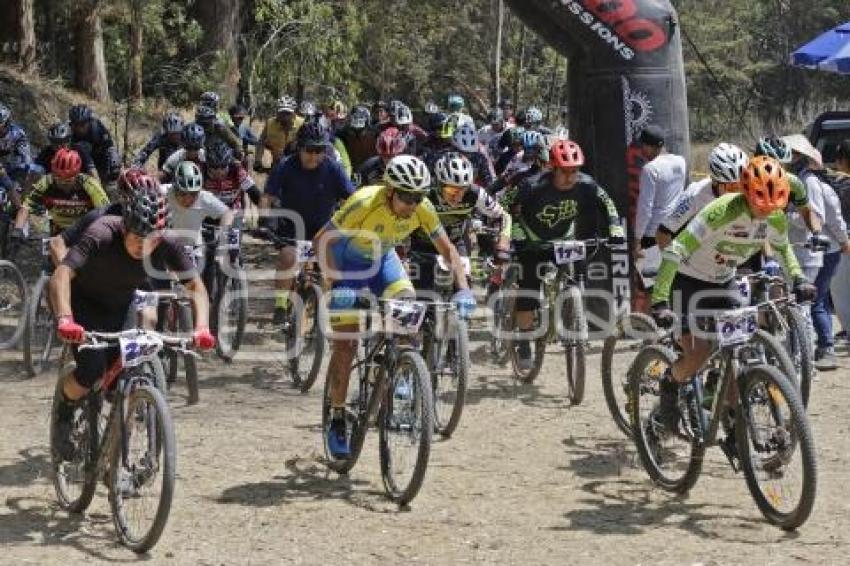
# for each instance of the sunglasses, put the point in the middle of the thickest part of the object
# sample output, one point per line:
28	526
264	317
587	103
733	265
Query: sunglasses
409	198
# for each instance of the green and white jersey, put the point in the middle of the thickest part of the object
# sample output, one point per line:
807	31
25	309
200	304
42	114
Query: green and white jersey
719	239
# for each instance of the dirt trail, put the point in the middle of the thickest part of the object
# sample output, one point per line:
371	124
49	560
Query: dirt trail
525	480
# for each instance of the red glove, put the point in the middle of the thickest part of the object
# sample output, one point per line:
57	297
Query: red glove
204	340
70	331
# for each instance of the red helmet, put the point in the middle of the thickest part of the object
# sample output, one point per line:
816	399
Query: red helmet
566	153
135	179
66	163
390	143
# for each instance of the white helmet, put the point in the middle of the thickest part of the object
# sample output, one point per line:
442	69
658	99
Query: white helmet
408	173
726	162
465	138
454	169
188	177
403	115
286	104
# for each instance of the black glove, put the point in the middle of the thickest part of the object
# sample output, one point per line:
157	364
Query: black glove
818	242
616	240
663	314
804	291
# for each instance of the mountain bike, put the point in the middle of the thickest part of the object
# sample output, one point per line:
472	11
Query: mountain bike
445	344
13	305
39	337
394	394
122	432
227	287
767	432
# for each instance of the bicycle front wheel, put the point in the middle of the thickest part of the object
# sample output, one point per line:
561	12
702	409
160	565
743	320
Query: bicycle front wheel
231	314
776	447
13	305
575	336
305	341
449	376
142	469
39	336
405	426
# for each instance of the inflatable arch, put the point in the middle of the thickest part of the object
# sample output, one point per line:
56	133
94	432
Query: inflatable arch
625	71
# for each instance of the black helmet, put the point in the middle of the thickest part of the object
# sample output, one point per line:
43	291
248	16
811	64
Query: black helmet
172	123
312	134
204	114
194	136
210	99
59	133
5	114
219	155
146	211
237	110
79	113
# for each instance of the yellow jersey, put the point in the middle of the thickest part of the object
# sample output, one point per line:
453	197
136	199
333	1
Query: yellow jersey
367	222
276	138
66	206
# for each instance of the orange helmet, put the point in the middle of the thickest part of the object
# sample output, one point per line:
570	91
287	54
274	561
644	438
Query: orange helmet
765	185
66	163
566	153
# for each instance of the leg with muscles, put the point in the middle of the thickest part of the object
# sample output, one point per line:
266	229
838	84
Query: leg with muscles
286	262
526	304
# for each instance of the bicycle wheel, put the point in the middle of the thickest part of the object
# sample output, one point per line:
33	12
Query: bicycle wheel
575	328
503	319
142	469
449	376
798	347
618	352
673	460
231	314
764	348
305	341
776	447
75	480
356	425
185	326
13	305
405	426
39	336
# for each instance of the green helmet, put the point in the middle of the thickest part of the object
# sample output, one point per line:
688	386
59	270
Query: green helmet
775	147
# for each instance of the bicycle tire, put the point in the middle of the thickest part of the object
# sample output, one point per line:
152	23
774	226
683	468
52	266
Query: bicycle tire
503	317
457	351
81	502
190	365
803	443
575	324
309	296
404	494
800	352
39	315
682	484
637	323
775	355
11	275
167	461
232	292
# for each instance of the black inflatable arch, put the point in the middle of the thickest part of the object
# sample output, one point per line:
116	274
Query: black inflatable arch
625	71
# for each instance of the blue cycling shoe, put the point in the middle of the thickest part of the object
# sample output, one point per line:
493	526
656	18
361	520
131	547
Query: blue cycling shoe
338	440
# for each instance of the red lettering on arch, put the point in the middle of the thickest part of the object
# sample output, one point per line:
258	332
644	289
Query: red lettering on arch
643	35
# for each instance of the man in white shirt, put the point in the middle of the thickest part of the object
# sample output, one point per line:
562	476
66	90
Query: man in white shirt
661	181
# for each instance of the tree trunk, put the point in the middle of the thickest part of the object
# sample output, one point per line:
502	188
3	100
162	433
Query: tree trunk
26	36
497	63
136	49
90	61
221	21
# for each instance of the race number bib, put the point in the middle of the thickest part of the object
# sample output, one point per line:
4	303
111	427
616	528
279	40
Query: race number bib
745	290
305	251
403	317
143	300
138	349
569	252
444	266
737	326
233	240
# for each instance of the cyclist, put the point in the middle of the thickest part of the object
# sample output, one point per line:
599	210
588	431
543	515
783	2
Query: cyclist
381	116
525	164
550	207
703	259
456	199
241	128
15	153
390	143
194	140
307	111
66	193
489	135
512	141
356	250
414	136
59	135
465	140
507	108
359	139
533	120
775	147
213	100
227	179
308	185
93	288
457	111
279	132
216	130
89	131
166	142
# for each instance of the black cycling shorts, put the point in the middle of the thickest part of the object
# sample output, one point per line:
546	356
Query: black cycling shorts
689	296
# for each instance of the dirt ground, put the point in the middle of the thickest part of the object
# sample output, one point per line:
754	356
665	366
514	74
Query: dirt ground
525	480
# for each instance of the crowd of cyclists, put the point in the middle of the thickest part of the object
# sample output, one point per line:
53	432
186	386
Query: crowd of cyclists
384	197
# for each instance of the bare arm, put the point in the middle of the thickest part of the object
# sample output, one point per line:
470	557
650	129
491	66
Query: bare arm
200	302
58	250
60	290
449	253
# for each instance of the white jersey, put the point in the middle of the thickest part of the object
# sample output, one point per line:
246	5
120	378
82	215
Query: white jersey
690	202
186	222
661	182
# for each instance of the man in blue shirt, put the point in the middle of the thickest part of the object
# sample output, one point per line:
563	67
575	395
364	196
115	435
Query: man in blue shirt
307	186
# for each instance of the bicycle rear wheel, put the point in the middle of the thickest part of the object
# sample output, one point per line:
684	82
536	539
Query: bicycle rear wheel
673	459
631	334
798	347
575	328
13	305
39	336
75	481
776	447
305	341
356	425
231	314
405	426
142	469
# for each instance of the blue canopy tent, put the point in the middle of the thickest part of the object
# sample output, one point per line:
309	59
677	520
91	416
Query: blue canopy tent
829	51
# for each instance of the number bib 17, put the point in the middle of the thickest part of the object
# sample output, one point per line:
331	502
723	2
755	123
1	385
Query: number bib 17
569	251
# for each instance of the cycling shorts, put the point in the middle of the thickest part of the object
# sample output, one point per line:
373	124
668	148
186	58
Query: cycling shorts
691	297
